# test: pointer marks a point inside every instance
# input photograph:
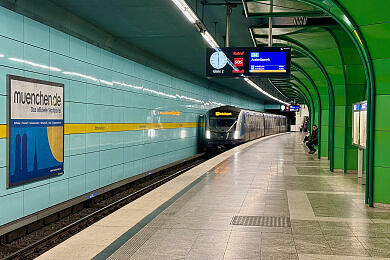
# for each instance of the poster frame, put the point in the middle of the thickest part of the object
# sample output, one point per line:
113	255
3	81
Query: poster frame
9	78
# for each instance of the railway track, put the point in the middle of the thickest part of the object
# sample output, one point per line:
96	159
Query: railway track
43	244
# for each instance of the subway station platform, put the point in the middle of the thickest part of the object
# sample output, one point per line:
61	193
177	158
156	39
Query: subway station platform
268	199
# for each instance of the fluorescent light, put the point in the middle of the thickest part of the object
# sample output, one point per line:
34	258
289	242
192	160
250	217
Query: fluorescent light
186	10
252	36
1	55
209	39
250	82
245	10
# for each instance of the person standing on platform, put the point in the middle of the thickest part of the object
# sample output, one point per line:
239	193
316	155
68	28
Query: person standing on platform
313	140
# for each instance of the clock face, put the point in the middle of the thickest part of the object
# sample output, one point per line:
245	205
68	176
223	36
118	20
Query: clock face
218	60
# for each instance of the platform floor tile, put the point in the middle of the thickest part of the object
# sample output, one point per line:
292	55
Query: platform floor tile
273	179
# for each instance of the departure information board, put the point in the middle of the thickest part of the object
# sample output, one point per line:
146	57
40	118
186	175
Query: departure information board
263	62
267	62
292	108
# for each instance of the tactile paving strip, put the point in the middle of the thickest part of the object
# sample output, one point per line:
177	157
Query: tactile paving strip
265	221
131	246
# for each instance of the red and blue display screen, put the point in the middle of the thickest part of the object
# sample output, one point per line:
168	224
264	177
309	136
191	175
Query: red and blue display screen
267	62
261	62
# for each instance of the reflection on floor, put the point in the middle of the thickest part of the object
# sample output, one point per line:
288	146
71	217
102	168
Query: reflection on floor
272	178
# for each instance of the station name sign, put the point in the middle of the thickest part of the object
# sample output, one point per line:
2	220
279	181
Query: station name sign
261	62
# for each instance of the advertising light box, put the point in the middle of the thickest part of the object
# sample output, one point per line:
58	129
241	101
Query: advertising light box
262	62
36	130
359	122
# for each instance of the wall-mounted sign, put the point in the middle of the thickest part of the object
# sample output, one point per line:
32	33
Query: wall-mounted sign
36	130
263	62
295	108
359	124
172	113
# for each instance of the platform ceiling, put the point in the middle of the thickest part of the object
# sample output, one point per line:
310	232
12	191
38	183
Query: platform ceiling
160	28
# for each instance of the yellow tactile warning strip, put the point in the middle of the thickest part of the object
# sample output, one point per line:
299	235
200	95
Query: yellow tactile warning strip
115	127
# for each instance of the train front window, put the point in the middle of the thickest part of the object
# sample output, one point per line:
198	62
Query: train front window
222	124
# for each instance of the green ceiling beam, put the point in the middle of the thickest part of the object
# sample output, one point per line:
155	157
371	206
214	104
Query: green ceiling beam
304	50
346	96
303	72
338	12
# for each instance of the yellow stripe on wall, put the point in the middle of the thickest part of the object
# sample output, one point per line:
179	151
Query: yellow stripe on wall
3	131
100	128
119	127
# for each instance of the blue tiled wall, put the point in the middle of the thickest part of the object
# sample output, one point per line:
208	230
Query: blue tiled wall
100	87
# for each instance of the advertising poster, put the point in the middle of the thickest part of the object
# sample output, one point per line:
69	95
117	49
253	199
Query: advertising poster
36	130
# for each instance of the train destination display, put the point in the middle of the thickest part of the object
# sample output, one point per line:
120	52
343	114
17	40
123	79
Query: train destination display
267	62
264	62
294	108
36	130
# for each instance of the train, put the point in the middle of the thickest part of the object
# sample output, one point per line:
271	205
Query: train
229	126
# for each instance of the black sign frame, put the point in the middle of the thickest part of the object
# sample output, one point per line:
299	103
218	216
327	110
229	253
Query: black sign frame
233	68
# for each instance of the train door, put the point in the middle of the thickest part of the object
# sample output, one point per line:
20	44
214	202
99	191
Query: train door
201	133
276	124
250	125
262	126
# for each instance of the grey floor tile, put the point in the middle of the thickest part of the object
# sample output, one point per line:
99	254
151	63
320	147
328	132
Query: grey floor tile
255	182
379	247
269	240
203	253
333	228
344	245
242	253
306	227
312	244
275	255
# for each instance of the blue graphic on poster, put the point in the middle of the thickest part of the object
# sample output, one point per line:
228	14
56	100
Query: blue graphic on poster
268	62
36	135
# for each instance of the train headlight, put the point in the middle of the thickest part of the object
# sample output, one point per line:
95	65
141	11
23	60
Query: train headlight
236	135
208	134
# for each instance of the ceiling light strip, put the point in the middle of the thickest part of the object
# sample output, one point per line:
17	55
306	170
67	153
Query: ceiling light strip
254	85
186	10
